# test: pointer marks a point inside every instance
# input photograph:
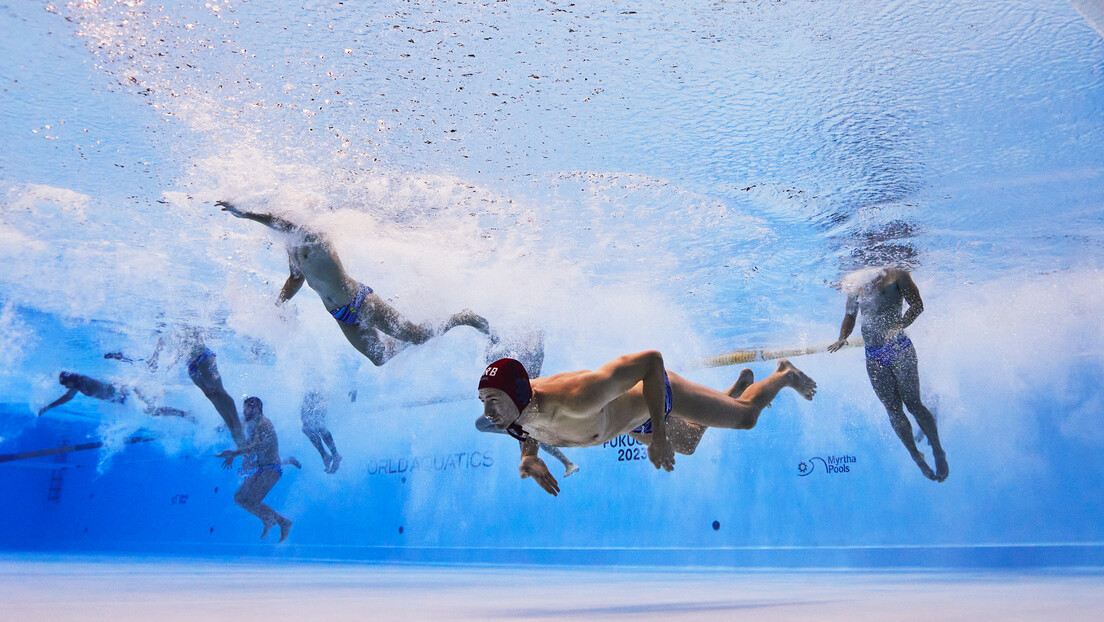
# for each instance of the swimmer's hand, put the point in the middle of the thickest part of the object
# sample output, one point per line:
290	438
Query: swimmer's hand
229	456
292	462
227	207
837	345
661	453
532	466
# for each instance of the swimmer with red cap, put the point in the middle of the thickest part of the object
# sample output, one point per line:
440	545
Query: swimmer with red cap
633	393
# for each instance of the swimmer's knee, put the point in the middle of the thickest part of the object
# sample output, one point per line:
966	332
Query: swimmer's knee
241	499
916	407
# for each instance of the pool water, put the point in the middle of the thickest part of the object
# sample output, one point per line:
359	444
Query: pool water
695	178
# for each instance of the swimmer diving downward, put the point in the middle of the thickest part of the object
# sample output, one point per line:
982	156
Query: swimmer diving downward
632	393
362	315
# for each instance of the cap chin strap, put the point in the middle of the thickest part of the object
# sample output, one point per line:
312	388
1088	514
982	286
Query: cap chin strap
516	431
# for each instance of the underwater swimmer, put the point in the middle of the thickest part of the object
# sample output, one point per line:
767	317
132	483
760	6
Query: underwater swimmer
262	465
202	370
891	360
528	348
361	314
313	415
118	394
630	394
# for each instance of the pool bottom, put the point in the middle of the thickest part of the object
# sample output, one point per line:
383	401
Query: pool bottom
41	587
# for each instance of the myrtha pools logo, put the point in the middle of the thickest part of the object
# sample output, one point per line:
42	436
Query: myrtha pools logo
834	465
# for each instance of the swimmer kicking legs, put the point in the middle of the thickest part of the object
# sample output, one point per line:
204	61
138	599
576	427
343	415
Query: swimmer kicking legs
587	408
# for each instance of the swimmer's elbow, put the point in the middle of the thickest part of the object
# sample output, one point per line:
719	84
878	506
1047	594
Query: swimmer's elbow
651	357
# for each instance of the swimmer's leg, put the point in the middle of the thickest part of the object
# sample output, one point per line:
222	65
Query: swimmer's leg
885	386
705	406
683	436
371	344
382	316
335	460
467	317
253	491
569	466
906	372
316	440
209	381
379	315
743	381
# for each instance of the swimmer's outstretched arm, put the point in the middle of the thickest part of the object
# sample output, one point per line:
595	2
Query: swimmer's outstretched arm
533	466
268	220
848	325
59	401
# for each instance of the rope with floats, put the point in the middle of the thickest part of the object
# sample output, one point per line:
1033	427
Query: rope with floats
739	357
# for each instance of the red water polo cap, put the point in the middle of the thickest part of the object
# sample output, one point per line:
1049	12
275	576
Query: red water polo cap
510	377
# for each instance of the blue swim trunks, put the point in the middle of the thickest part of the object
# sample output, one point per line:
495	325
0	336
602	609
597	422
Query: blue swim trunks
350	313
887	353
249	472
668	402
193	365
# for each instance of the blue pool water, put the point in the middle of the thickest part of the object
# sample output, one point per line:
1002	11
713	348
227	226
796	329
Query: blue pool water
690	177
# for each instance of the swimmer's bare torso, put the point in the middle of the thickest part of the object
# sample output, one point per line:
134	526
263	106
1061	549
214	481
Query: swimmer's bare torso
551	419
312	256
881	302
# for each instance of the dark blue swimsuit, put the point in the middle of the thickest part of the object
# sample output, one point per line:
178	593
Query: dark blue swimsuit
888	352
193	365
350	313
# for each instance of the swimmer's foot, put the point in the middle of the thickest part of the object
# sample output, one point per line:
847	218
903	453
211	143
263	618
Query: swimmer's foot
267	526
285	527
942	470
334	463
326	460
467	317
920	436
570	468
745	380
924	468
804	385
